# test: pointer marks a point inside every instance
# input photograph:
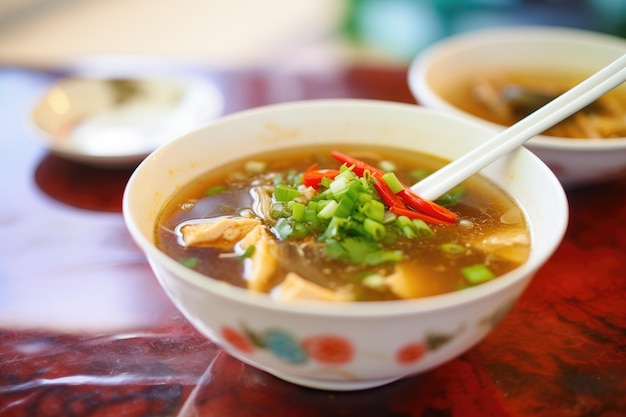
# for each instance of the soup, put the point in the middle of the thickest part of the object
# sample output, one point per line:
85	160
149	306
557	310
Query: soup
339	224
506	99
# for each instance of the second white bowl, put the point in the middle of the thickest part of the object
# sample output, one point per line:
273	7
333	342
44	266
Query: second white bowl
550	49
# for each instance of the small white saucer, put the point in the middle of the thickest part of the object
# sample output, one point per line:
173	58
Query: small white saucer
119	121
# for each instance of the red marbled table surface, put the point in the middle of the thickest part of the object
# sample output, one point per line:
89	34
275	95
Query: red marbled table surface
85	330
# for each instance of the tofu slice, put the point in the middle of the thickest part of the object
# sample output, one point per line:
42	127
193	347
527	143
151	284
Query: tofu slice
294	287
223	233
407	281
513	245
260	268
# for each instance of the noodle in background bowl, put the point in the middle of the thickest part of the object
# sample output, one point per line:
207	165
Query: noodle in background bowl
340	346
517	49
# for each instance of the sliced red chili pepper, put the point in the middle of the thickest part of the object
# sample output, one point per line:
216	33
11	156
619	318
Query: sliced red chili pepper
409	197
359	166
412	214
403	198
312	177
426	206
388	196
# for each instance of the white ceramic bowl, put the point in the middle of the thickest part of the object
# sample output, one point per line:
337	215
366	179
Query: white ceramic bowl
572	51
355	345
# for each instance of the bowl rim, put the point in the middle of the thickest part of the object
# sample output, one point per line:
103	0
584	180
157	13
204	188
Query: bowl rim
349	309
416	74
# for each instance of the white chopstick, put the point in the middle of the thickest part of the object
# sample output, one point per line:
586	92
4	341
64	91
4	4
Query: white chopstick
455	172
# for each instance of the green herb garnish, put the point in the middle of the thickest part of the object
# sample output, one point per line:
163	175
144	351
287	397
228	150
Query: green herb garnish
452	197
248	252
215	190
190	262
477	274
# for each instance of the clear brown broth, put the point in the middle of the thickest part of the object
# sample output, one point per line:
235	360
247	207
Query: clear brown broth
482	205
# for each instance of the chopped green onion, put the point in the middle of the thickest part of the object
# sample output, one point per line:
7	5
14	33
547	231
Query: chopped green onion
452	197
345	167
325	195
354	251
414	228
346	213
248	252
328	210
283	228
347	173
325	182
404	221
310	215
374	210
346	204
477	274
452	248
380	257
335	250
423	230
285	193
297	210
406	227
358	217
300	230
215	190
374	229
190	262
374	281
278	210
319	204
334	228
364	196
339	187
393	182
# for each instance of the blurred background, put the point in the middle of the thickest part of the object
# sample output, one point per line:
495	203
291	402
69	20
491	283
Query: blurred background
254	33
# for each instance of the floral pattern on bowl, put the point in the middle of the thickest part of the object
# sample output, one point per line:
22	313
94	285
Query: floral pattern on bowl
335	350
326	349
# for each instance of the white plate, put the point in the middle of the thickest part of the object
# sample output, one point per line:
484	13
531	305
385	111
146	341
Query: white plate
118	121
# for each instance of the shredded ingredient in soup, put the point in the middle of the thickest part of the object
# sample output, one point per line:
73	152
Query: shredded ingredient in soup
324	225
506	99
